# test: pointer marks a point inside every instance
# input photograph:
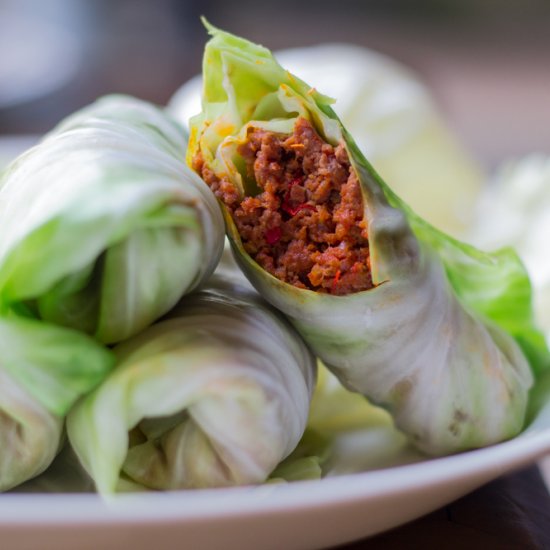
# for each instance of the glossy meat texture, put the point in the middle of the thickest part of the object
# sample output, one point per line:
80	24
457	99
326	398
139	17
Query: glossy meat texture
305	223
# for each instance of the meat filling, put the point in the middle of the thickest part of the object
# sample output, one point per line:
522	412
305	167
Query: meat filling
306	225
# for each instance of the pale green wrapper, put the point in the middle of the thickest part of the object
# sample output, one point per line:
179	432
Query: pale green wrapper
43	370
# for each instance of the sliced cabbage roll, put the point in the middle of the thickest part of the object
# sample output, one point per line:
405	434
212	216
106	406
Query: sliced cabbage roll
104	228
43	370
217	394
437	332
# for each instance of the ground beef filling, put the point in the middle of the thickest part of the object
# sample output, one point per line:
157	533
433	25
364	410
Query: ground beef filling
306	226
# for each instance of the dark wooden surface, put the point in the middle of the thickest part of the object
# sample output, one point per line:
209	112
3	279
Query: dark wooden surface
512	512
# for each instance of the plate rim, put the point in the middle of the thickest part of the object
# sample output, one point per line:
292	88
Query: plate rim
70	509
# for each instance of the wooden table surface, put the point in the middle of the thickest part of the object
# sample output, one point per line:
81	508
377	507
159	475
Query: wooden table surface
512	512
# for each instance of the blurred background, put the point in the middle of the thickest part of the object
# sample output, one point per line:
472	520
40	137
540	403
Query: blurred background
486	62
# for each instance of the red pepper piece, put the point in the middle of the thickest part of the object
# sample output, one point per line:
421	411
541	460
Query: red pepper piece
293	210
335	281
273	235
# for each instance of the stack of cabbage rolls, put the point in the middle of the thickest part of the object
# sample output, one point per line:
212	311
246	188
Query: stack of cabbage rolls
104	230
167	373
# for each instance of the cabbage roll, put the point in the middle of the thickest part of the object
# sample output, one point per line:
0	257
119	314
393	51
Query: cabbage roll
104	228
435	331
214	395
43	370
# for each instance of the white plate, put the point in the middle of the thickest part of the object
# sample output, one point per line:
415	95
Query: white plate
299	515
